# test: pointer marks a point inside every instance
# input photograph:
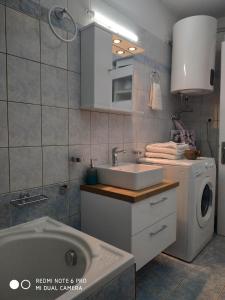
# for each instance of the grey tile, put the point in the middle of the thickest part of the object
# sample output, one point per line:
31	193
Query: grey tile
213	255
122	287
4	167
22	35
115	128
46	5
2	28
213	288
23	80
221	296
159	278
50	3
29	7
57	202
191	288
24	124
3	124
55	164
129	156
5	213
129	129
3	95
99	128
74	89
79	127
77	170
100	152
74	55
75	222
29	212
54	86
25	168
72	221
73	196
53	51
65	220
146	132
168	278
54	126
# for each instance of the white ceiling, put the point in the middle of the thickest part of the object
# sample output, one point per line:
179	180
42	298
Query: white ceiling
184	8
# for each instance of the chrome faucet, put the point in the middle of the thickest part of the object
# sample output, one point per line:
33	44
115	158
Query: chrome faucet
115	152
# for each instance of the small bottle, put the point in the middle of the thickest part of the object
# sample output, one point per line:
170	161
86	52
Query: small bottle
92	176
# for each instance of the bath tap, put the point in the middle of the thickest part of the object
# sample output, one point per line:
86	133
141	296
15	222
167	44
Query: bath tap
115	152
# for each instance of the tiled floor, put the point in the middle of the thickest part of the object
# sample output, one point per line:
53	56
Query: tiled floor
166	278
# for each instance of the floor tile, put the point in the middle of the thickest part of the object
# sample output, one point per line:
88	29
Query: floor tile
167	278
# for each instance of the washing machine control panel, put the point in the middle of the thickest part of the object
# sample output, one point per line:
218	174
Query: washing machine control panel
198	173
202	168
209	165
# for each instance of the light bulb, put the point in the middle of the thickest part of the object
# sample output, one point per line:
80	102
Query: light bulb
117	41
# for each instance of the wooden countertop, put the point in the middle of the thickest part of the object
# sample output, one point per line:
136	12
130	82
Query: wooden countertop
129	195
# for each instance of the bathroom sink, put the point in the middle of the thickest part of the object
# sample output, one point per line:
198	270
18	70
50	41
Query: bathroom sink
130	176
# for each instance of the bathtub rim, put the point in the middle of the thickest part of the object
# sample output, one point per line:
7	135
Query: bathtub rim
96	281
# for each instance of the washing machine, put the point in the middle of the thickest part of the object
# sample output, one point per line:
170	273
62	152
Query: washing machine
195	203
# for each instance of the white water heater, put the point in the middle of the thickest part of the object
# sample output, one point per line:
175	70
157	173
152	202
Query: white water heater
193	56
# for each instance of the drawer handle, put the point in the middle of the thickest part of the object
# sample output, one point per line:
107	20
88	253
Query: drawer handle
159	201
158	231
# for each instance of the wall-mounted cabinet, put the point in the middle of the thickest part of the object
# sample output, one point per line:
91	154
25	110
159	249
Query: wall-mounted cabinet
105	85
122	88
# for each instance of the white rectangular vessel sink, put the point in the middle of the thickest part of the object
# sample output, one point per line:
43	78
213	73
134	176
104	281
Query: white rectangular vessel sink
130	176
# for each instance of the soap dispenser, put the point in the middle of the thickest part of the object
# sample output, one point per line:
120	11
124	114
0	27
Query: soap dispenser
92	176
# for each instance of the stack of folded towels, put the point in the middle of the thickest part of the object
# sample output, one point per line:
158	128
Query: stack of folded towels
168	150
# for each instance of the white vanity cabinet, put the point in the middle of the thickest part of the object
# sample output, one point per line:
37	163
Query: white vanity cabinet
144	227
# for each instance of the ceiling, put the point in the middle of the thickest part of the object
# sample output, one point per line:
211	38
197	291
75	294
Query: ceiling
184	8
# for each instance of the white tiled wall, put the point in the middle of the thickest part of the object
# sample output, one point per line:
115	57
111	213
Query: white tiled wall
41	125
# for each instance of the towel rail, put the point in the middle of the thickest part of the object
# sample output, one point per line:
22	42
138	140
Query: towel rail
27	199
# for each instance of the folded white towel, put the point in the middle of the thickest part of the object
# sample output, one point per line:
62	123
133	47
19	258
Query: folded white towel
162	155
165	150
171	145
155	97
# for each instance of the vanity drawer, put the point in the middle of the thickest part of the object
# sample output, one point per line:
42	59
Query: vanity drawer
153	240
147	212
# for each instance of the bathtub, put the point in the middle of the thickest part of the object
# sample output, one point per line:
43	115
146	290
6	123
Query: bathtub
45	259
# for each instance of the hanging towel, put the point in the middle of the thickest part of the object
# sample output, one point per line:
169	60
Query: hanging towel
155	98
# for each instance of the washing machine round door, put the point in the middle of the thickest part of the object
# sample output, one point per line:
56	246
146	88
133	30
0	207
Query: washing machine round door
205	203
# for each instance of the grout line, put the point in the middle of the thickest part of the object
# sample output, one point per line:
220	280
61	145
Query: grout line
109	154
39	187
7	96
39	61
68	121
68	126
108	160
41	100
40	104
